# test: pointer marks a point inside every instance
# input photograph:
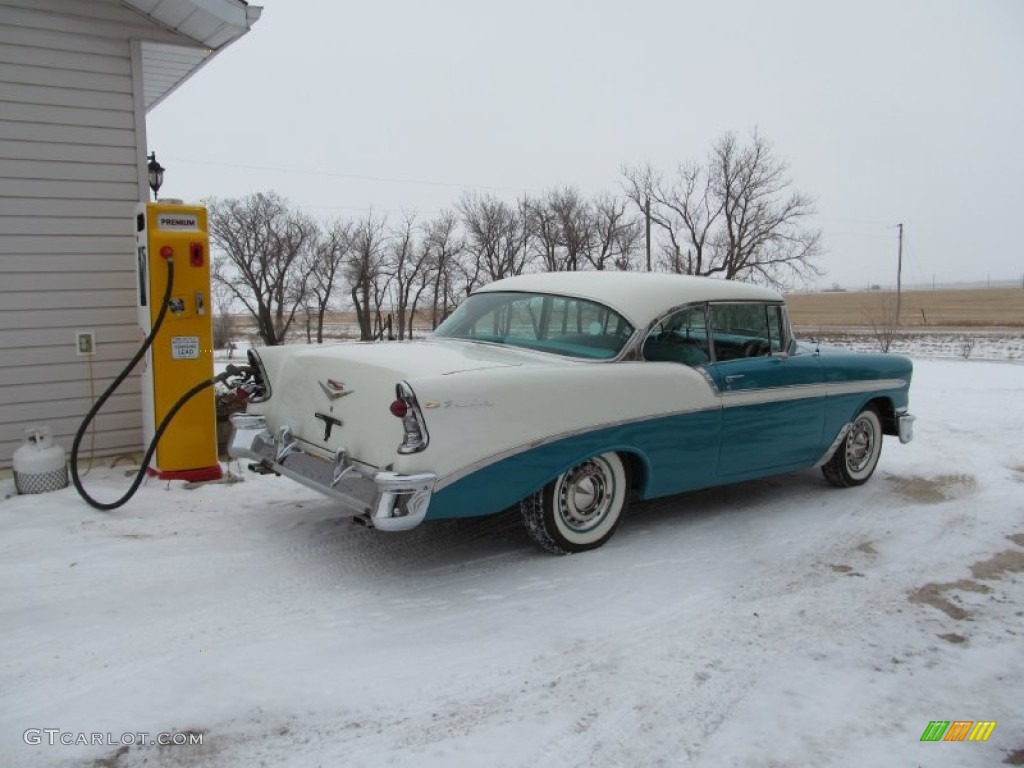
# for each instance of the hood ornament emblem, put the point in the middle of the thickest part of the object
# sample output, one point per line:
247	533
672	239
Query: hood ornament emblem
334	389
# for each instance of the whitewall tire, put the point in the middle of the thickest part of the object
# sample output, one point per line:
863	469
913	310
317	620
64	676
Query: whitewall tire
855	459
581	508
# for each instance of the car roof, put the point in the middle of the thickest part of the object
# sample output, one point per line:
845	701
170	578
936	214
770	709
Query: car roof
640	297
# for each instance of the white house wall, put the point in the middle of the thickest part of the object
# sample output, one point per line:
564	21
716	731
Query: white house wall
71	138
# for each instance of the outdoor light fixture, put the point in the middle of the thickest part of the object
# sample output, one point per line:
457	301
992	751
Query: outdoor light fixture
156	174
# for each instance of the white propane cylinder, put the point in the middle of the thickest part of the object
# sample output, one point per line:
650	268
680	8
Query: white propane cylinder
39	464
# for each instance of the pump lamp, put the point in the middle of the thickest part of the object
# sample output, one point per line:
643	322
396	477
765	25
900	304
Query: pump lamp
156	174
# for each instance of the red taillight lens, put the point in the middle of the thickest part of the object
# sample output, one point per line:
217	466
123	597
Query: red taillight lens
399	408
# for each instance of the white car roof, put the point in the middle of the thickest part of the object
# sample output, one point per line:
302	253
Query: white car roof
640	297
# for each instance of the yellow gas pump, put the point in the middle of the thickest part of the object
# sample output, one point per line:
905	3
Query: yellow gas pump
181	354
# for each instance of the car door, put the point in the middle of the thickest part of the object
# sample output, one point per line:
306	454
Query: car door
772	392
683	450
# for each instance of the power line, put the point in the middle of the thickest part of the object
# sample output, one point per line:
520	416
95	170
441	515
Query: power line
876	223
863	233
351	176
368	208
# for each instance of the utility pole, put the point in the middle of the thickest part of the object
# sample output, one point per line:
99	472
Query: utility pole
647	229
899	273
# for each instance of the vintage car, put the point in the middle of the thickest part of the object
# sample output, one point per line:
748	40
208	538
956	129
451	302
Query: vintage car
569	395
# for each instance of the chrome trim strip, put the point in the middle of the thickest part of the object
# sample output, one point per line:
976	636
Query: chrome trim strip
835	444
863	385
646	332
709	379
754	396
725	400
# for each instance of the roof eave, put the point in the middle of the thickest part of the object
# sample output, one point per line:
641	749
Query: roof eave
206	27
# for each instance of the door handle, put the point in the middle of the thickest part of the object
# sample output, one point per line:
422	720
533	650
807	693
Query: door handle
733	377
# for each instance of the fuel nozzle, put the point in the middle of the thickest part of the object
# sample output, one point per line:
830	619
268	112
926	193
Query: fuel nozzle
242	380
239	372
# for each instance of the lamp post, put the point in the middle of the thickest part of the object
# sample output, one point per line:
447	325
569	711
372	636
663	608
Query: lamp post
156	174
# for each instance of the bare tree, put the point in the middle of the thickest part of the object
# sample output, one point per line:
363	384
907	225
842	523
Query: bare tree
650	193
261	240
884	322
401	250
223	319
323	266
410	261
496	238
562	230
381	292
735	216
366	275
617	235
445	245
545	233
576	221
762	234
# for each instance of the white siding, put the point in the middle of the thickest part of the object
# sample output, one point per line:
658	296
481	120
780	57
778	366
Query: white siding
71	139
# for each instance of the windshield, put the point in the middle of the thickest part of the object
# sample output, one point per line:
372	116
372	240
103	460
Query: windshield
563	325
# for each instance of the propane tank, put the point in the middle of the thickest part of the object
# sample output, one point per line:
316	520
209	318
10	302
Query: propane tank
39	465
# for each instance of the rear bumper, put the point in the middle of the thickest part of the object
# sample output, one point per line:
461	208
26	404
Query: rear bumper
392	501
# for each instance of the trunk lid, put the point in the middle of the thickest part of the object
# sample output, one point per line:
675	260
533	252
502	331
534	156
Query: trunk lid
338	396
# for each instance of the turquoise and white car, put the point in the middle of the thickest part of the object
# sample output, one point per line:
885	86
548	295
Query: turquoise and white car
569	395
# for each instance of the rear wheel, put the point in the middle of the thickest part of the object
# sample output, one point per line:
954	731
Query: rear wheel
581	508
857	456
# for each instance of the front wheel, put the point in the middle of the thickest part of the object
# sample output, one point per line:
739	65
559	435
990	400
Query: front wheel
579	509
857	456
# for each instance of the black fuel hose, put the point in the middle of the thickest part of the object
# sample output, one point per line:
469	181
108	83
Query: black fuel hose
141	474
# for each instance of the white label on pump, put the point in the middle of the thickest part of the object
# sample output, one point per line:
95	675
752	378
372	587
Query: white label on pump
177	221
185	347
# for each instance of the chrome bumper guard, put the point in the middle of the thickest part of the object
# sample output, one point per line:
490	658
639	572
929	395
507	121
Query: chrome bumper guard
905	422
392	501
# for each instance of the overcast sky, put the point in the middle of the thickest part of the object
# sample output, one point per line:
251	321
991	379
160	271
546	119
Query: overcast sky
887	111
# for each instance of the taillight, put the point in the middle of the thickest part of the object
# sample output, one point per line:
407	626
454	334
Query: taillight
406	408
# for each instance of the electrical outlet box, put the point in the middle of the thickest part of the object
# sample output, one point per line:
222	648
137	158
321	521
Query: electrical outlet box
85	343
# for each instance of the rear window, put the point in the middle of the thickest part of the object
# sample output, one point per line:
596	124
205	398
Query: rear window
561	325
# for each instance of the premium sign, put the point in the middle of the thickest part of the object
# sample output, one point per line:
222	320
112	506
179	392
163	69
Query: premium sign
180	221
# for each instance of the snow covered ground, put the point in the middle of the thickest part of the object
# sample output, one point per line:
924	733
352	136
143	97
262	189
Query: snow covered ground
775	623
1006	345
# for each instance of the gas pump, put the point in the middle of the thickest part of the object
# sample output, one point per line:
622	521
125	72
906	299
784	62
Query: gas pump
182	351
172	261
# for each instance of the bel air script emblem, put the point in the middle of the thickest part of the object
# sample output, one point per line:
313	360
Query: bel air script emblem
334	389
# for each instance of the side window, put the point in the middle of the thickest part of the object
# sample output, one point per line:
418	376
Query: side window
744	330
519	318
572	318
680	338
776	328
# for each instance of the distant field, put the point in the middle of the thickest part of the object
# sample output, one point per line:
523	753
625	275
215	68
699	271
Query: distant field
824	313
968	308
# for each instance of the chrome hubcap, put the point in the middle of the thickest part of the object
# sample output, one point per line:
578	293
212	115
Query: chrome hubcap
584	496
860	445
